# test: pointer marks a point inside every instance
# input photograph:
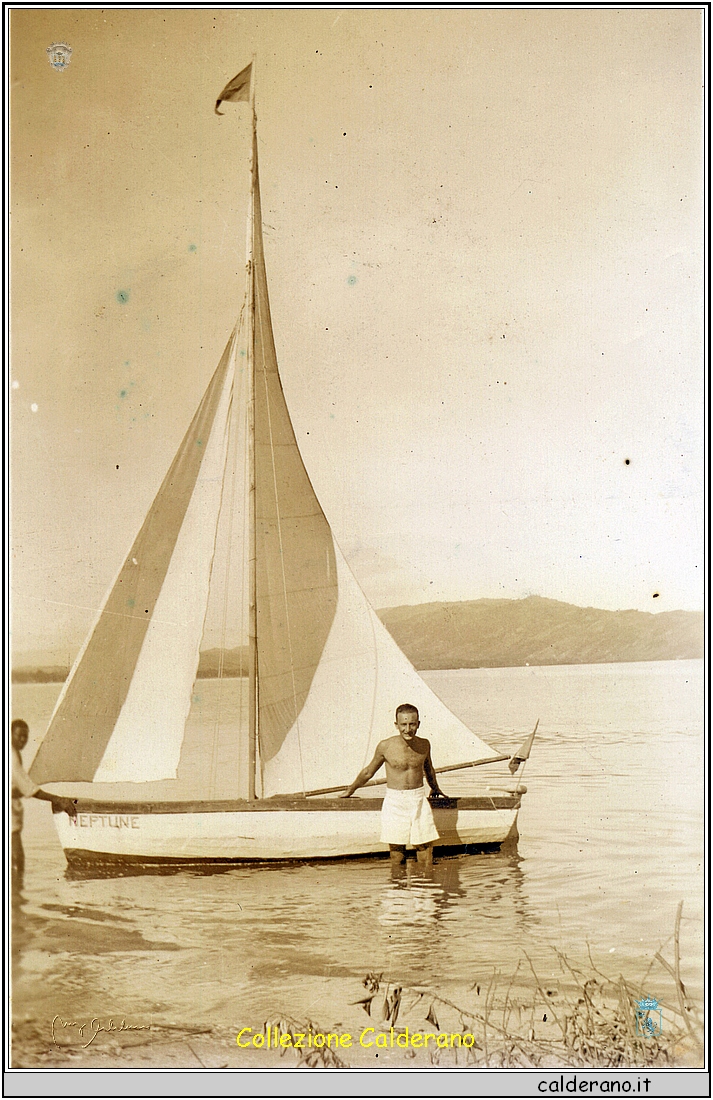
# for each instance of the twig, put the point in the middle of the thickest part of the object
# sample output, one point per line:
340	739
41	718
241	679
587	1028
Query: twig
594	968
194	1054
680	988
577	975
648	971
485	1023
507	995
544	998
666	1004
625	1002
471	1015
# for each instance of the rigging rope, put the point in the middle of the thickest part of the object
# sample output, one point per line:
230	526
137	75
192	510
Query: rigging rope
243	719
229	465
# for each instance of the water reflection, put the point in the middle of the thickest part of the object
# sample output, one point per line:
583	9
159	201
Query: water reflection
409	903
467	908
227	943
86	872
20	933
77	930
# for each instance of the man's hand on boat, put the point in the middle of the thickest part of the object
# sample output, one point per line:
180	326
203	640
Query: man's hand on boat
63	805
59	803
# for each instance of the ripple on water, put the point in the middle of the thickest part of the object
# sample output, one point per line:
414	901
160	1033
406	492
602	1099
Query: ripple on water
610	842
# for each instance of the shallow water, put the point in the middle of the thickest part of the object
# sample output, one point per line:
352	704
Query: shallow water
611	839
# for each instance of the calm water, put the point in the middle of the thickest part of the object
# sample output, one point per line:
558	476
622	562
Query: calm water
611	840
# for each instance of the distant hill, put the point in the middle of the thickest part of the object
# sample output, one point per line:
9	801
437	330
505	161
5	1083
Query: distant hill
538	631
235	663
50	674
494	634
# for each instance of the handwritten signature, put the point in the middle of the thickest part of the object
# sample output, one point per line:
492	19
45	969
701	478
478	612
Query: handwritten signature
94	1027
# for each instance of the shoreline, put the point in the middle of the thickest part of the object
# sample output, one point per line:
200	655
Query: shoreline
515	1022
584	1020
22	675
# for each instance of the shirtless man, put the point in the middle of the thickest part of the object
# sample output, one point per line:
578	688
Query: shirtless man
406	816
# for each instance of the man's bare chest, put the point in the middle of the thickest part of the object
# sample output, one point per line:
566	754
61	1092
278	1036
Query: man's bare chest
401	755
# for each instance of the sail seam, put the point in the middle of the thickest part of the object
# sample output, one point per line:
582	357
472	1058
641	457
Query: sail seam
282	566
221	660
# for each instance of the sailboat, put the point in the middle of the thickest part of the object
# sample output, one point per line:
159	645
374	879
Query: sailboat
323	676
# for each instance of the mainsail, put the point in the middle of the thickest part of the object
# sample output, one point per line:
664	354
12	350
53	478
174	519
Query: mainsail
327	674
296	585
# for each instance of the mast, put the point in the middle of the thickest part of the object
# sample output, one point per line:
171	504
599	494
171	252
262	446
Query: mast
242	89
252	527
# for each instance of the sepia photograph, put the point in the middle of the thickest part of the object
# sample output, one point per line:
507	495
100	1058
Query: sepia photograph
356	419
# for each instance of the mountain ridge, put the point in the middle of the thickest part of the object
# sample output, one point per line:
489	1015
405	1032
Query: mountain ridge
536	630
487	633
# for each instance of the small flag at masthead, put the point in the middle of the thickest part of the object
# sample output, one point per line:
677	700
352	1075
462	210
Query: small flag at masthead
237	90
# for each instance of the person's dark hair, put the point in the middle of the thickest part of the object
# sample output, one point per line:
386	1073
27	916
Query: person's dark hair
19	724
406	708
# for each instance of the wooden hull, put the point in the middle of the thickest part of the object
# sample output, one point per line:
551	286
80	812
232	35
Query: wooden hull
266	830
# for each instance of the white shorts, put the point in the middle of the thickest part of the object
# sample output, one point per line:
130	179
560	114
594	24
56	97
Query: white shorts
406	818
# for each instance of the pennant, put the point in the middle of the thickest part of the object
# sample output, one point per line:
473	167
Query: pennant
523	752
237	90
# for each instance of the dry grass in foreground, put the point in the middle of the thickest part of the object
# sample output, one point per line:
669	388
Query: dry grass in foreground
590	1020
579	1018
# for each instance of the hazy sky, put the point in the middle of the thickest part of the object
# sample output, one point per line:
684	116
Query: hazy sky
483	235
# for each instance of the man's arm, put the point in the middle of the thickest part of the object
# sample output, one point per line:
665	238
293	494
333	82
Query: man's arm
21	782
431	776
366	773
58	802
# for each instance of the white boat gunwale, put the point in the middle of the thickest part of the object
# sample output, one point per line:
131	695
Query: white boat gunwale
309	805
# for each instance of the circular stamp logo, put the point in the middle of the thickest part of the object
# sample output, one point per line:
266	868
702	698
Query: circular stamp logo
60	55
